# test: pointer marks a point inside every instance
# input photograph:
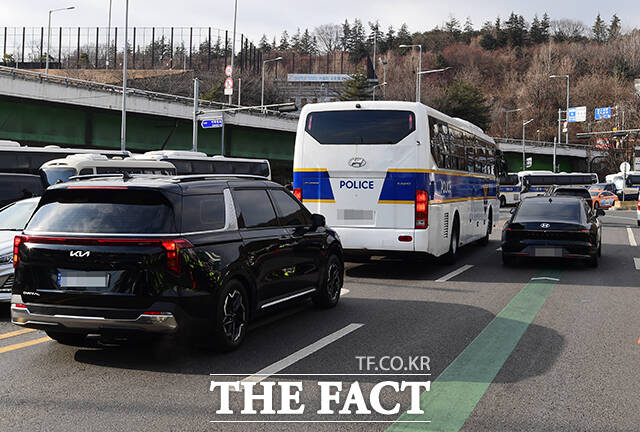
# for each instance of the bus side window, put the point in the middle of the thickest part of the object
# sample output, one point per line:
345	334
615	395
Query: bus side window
470	158
86	171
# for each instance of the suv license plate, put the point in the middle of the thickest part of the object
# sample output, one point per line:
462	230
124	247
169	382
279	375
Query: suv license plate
74	279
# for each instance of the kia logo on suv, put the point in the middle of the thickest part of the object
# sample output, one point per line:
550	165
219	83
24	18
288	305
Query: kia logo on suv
79	254
357	162
544	225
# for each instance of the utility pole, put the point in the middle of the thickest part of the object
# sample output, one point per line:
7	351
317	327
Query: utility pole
123	129
108	35
233	50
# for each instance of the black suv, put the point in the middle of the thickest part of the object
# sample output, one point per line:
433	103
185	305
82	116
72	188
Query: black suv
118	257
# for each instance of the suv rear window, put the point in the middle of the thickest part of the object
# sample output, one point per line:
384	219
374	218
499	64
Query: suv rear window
572	192
203	212
360	127
103	212
565	210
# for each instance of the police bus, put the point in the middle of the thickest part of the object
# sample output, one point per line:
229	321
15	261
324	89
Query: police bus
537	182
509	189
396	176
190	162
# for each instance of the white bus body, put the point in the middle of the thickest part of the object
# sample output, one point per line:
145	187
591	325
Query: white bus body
371	168
509	189
58	170
536	183
190	162
630	187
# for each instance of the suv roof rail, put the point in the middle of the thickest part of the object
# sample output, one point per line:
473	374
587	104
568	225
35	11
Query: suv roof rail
195	177
124	176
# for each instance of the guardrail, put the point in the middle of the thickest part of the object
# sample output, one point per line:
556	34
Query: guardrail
93	85
542	143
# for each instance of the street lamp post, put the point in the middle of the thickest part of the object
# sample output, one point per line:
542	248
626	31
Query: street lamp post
384	62
506	128
108	36
524	123
46	71
123	128
567	77
384	84
418	75
233	44
264	63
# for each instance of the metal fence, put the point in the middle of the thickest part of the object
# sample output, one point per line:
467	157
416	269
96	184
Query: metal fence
101	47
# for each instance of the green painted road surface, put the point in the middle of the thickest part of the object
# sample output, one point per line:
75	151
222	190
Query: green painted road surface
455	393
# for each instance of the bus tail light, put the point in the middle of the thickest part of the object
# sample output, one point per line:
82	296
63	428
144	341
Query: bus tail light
298	193
422	212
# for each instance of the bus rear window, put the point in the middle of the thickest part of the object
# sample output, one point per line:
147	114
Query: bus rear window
360	127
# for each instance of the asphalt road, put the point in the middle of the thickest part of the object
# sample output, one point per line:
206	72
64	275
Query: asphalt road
543	346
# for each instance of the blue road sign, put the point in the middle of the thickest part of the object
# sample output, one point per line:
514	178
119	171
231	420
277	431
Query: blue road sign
603	113
212	123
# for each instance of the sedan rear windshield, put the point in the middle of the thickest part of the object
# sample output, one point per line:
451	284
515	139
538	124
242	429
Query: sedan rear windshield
360	127
103	212
549	210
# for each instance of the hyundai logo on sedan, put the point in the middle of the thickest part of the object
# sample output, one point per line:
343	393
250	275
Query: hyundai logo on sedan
79	254
544	225
357	162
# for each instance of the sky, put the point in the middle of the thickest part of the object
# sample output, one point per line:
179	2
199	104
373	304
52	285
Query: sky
256	17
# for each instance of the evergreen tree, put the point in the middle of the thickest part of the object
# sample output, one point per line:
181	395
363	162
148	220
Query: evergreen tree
274	45
403	37
516	30
295	40
375	35
502	38
545	25
357	41
599	30
462	99
468	31
356	88
345	39
389	39
614	27
307	43
264	44
453	27
535	31
284	41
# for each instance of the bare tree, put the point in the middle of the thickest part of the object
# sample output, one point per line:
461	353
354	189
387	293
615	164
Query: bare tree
328	36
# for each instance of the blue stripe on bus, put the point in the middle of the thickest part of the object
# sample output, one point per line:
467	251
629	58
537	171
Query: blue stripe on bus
509	188
315	184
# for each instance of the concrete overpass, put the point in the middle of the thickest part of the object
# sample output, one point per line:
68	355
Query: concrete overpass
40	110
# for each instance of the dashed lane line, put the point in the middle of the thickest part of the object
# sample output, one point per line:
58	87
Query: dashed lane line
636	261
632	238
300	354
454	273
16	333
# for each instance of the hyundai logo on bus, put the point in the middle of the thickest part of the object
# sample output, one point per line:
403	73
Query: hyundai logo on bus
357	162
356	184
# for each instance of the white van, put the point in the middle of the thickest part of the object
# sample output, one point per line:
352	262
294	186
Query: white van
60	170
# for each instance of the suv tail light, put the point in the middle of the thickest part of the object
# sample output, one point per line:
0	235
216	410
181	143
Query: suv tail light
422	212
172	247
17	241
298	193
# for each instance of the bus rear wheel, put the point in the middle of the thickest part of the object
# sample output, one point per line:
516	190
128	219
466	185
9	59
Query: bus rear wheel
451	256
485	240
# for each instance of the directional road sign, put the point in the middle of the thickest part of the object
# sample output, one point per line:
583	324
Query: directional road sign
212	123
577	114
603	113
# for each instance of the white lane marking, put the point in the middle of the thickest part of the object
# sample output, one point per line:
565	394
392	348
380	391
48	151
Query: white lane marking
545	278
620	217
344	292
300	354
636	261
499	249
454	273
632	238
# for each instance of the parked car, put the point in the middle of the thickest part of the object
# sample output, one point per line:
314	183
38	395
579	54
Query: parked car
142	255
603	199
576	191
13	219
552	227
14	187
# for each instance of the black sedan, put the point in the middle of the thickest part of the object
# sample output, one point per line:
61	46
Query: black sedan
552	227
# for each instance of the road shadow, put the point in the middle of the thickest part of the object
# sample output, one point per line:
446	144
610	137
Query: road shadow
440	331
5	312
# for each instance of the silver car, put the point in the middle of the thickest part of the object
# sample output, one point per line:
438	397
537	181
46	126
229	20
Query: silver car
13	219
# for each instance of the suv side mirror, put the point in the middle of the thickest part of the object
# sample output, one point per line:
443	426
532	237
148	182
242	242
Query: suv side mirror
317	220
600	212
